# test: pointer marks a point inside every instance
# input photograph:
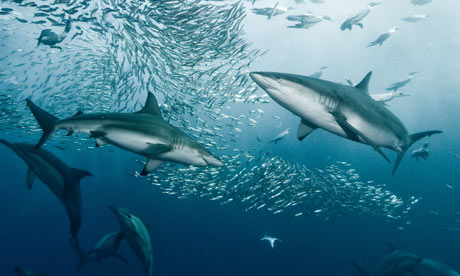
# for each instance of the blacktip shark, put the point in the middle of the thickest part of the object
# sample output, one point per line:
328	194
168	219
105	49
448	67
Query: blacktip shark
144	132
270	240
397	262
21	272
62	180
133	230
347	111
106	247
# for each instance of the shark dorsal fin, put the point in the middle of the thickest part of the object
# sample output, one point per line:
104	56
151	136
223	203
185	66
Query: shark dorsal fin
364	84
151	106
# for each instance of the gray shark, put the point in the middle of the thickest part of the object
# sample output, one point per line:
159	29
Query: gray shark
397	263
133	230
438	269
21	272
62	180
106	247
347	111
144	132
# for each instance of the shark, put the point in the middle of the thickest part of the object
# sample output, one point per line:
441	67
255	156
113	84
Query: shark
62	180
347	111
397	262
144	132
134	231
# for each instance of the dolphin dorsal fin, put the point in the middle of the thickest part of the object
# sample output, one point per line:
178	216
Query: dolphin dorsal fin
364	84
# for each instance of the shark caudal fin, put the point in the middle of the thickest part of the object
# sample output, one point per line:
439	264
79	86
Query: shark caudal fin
82	257
44	119
360	269
413	138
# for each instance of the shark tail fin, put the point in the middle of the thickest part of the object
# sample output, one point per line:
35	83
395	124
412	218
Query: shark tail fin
360	269
413	138
82	257
46	121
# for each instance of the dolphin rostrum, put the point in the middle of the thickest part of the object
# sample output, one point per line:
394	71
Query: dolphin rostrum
62	180
144	132
133	230
347	111
106	247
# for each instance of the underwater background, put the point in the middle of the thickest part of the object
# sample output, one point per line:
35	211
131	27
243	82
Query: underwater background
338	201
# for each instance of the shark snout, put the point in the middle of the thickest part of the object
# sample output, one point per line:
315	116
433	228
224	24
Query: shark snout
268	81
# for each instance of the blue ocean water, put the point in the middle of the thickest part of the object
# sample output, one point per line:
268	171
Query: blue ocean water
192	235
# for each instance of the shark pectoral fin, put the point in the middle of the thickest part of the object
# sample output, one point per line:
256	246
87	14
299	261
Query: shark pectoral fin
305	128
151	165
30	178
360	25
155	149
349	128
79	174
99	142
97	134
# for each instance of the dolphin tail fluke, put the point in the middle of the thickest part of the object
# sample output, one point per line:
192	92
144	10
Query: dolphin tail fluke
44	119
413	138
82	257
360	269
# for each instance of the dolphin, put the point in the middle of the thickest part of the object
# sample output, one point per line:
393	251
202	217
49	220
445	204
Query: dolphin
270	240
62	180
21	272
106	247
133	230
144	132
347	111
397	263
